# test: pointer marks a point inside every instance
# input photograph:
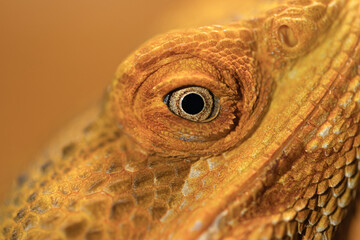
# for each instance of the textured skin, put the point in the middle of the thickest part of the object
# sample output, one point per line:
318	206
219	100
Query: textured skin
279	162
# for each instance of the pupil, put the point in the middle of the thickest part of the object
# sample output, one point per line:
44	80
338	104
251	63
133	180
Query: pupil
192	103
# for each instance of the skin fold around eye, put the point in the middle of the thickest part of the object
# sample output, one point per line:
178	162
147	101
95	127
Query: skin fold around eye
241	93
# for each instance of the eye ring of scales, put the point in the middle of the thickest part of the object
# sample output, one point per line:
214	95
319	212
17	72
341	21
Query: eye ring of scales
279	161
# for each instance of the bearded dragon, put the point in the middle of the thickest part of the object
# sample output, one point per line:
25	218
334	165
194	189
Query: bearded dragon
247	130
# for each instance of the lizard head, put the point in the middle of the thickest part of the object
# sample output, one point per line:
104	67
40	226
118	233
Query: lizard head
252	105
247	130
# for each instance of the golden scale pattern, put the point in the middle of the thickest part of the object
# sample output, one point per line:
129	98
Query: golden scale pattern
104	195
326	188
105	185
318	197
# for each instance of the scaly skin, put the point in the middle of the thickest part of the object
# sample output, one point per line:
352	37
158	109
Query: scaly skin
280	161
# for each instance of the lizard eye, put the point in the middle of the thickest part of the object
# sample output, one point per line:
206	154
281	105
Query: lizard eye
196	104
